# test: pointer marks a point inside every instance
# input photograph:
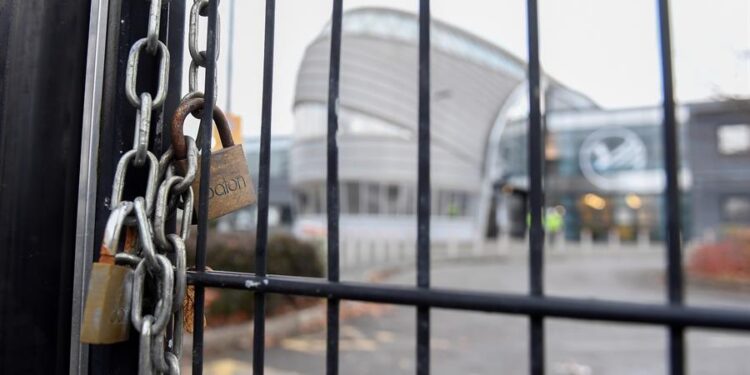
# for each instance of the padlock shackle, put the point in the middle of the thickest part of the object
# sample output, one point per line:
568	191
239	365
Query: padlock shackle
178	121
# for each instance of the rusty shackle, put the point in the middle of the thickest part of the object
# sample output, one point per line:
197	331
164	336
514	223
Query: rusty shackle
182	111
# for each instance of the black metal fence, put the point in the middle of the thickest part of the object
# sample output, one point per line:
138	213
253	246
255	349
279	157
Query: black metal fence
674	315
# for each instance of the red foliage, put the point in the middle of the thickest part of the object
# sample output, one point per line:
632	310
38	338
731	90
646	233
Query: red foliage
727	260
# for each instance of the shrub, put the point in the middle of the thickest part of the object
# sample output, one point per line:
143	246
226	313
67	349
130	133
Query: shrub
236	252
727	260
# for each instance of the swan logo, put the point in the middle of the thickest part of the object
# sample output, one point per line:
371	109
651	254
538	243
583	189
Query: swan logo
609	152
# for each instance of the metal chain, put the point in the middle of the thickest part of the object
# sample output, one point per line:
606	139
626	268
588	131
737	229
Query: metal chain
199	9
165	192
146	215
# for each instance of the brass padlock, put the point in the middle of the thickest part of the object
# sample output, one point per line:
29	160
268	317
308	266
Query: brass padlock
230	185
107	310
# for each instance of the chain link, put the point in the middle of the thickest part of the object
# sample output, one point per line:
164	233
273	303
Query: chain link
162	212
119	183
142	129
115	222
199	9
131	73
144	356
154	16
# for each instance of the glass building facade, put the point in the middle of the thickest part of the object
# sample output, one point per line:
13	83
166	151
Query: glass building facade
604	170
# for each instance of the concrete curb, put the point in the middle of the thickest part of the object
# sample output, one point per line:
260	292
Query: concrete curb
240	336
718	283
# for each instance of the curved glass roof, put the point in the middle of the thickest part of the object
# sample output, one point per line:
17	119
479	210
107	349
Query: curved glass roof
404	27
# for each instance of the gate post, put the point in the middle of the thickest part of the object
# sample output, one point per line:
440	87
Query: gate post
42	66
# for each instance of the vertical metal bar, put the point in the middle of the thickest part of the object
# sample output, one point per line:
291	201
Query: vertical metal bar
671	165
259	335
205	175
174	31
230	57
423	188
175	39
536	192
87	179
332	348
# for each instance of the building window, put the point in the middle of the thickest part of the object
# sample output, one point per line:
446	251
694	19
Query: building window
733	139
461	200
304	201
279	164
317	206
736	208
323	193
352	197
373	199
411	200
393	195
453	203
443	203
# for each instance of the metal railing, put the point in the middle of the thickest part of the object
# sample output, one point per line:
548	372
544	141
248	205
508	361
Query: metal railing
674	315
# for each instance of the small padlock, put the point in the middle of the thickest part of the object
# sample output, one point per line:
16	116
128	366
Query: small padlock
230	185
106	315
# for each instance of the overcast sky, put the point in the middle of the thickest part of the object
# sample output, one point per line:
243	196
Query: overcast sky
607	49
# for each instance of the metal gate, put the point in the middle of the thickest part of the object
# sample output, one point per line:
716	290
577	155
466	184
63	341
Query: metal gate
673	315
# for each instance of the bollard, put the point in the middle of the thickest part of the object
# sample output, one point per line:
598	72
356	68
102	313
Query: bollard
587	240
613	239
644	239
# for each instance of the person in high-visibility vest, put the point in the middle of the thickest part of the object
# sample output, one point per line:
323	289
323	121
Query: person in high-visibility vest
552	221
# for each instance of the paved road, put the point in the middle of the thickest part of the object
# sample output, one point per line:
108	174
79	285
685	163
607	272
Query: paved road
479	343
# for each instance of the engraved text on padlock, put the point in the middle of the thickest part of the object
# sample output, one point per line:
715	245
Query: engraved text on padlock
230	185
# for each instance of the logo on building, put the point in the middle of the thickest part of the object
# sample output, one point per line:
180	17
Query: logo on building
609	156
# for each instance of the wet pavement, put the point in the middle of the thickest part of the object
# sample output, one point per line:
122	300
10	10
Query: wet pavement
481	343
